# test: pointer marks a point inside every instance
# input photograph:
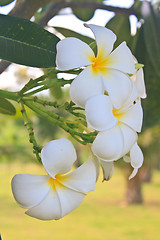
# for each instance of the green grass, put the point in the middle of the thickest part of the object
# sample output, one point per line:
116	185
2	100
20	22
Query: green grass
100	216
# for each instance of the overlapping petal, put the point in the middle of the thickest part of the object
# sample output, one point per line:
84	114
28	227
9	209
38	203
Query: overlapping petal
86	85
29	190
105	39
140	83
131	99
48	209
118	85
133	117
108	145
82	179
99	114
58	156
122	59
136	156
73	53
69	199
129	138
136	159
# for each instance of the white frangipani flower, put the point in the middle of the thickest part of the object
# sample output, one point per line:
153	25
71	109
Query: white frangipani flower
117	127
54	195
136	159
138	79
108	70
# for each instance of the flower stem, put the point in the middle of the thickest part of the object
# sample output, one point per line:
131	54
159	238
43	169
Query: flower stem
36	148
59	121
9	95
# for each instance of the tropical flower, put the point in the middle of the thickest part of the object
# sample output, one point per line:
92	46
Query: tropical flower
108	70
136	159
117	127
54	195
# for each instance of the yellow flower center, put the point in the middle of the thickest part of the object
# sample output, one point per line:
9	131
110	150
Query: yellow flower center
100	63
57	182
118	114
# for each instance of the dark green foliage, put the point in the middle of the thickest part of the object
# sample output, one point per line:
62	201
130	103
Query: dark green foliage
6	107
120	25
4	3
84	14
26	43
152	80
152	34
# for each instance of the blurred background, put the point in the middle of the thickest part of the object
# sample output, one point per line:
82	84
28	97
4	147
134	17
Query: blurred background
118	209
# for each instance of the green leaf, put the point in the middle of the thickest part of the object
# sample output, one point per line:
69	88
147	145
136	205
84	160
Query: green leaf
5	2
69	33
6	107
82	13
152	34
120	25
26	43
152	80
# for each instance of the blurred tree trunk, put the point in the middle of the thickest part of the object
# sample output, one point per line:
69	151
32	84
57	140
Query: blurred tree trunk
134	190
146	174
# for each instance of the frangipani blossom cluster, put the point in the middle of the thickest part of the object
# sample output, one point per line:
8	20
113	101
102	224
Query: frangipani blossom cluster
109	88
110	97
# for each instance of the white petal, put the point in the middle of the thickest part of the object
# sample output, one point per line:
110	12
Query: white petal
99	114
69	199
73	53
86	85
118	85
133	117
136	156
132	97
29	190
105	38
58	156
107	168
133	174
108	145
122	59
82	179
48	209
140	83
129	138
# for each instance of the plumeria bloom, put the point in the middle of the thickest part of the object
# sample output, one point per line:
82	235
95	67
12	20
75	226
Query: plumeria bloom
136	159
117	127
54	195
138	79
106	71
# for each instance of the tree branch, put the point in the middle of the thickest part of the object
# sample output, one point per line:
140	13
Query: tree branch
95	5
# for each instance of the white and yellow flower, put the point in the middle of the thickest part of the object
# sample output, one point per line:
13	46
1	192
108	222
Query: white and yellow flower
118	127
108	70
54	195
